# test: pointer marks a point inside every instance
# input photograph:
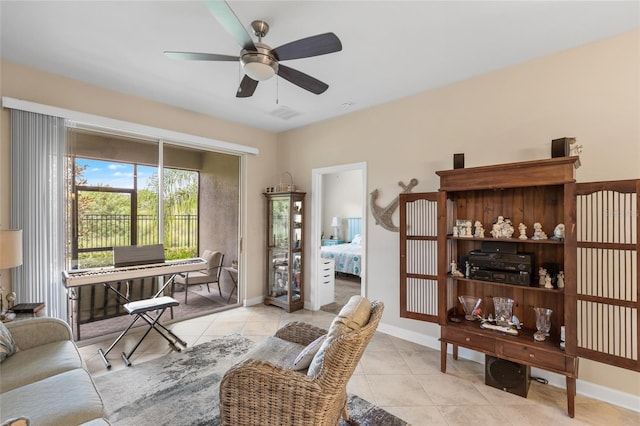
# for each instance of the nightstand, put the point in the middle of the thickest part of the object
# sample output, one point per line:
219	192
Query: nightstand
328	242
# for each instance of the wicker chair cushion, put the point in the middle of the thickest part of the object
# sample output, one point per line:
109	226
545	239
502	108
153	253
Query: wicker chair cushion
304	358
277	351
353	316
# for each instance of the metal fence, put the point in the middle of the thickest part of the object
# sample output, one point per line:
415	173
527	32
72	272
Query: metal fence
110	230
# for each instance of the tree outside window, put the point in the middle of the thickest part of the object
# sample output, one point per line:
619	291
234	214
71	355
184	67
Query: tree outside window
116	204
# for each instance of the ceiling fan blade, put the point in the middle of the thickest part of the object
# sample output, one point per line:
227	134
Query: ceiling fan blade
194	56
230	22
247	87
320	44
302	80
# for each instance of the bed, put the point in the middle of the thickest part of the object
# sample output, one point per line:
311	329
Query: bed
347	257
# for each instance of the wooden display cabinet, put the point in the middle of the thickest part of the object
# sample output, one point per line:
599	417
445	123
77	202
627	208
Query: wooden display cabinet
285	256
528	192
599	255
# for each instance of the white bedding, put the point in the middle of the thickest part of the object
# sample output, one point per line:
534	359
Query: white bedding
347	257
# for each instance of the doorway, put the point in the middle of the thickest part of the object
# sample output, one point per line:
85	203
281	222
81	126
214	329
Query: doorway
326	214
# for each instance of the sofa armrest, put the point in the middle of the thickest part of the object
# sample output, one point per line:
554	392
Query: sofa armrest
34	332
255	392
300	332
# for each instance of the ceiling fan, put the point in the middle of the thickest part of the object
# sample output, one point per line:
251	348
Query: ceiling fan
261	62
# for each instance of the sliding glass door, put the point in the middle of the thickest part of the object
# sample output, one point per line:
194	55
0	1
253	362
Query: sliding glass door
128	191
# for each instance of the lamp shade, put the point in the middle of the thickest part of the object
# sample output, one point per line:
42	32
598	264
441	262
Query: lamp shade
10	248
334	222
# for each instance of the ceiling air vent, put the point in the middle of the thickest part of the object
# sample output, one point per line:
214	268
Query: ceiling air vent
284	112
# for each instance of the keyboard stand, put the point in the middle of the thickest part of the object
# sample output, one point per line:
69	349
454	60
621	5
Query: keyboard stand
142	309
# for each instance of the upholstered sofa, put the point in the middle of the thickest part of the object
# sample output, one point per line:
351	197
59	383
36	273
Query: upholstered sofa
299	376
45	381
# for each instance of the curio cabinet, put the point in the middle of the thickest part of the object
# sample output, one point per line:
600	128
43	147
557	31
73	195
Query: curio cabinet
285	255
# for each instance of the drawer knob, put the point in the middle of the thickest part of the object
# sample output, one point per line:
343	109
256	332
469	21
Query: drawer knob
532	355
468	339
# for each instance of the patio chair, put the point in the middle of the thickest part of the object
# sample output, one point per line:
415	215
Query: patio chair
207	276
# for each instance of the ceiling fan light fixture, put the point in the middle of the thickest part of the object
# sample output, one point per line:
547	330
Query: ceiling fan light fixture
259	65
259	71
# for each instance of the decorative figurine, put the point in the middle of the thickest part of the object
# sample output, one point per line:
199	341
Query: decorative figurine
454	270
507	228
502	228
560	279
467	229
575	150
496	229
558	232
538	233
516	322
542	274
547	282
523	231
479	231
462	229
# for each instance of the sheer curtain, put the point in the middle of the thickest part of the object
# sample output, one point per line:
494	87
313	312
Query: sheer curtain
38	163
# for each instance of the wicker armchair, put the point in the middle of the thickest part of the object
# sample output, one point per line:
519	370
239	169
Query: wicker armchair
256	392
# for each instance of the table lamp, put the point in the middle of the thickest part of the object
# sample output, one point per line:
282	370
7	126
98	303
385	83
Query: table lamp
10	254
335	225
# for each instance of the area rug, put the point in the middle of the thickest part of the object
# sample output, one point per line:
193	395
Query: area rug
181	388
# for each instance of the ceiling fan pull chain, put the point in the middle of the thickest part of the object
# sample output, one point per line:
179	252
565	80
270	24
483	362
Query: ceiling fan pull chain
277	90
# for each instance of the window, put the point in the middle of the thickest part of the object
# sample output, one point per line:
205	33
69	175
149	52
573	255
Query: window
115	183
116	204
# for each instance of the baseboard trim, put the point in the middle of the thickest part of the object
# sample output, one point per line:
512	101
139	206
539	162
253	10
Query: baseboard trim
592	390
254	301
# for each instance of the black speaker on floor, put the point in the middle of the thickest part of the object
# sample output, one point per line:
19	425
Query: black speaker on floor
506	375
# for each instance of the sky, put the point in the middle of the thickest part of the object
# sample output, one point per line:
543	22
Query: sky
113	174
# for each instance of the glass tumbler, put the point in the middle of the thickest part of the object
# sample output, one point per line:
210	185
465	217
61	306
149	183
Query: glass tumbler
543	323
503	307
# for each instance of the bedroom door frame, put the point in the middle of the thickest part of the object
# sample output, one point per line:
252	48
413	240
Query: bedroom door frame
316	227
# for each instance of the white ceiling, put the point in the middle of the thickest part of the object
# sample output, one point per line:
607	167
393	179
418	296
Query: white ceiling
391	49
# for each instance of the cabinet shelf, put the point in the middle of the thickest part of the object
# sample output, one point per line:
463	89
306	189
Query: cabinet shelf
522	349
521	287
525	334
507	240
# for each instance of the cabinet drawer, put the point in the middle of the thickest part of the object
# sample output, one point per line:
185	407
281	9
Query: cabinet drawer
535	356
468	340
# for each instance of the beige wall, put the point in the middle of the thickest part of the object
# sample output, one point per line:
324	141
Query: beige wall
342	198
31	85
218	208
592	93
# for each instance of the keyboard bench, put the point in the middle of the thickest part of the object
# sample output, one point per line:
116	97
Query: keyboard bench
143	309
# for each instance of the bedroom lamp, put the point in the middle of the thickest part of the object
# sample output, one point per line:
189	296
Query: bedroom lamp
335	225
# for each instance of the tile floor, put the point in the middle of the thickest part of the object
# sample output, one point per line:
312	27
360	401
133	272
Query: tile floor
400	376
